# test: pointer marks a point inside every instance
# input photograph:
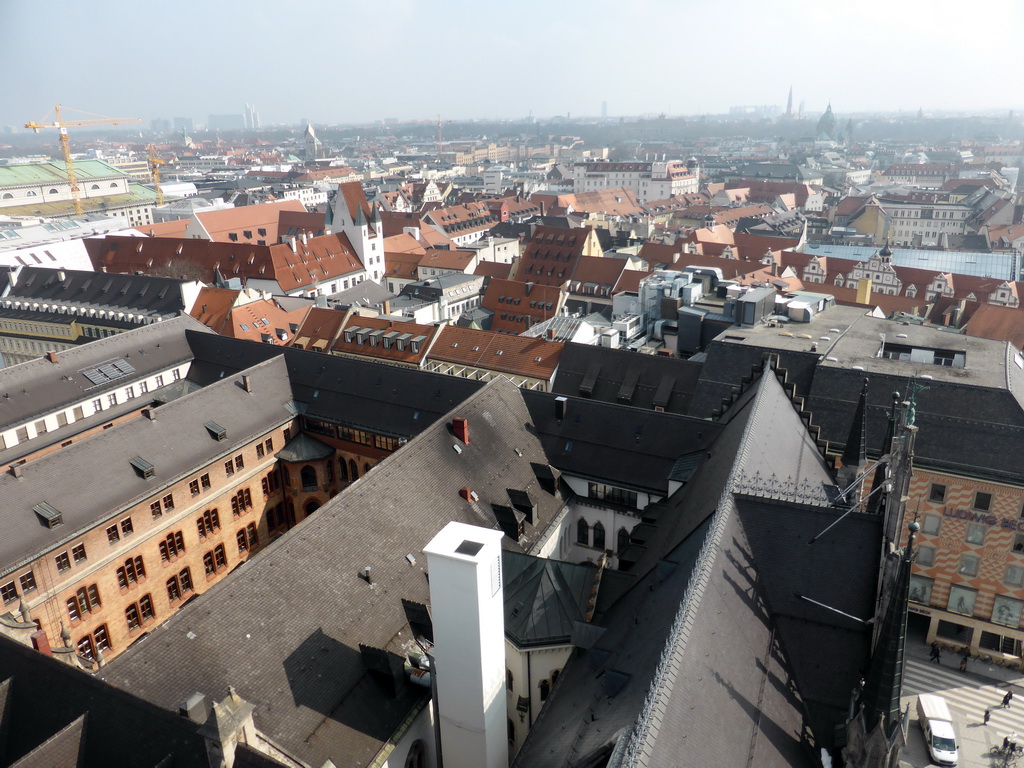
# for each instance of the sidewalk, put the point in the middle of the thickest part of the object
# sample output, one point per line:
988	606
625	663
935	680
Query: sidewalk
1010	678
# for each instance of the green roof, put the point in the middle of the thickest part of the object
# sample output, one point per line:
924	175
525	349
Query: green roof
55	172
139	195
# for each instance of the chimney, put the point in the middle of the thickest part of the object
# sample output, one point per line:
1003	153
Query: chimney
461	428
304	240
291	242
41	643
366	575
16	469
467	607
466	493
51	356
561	405
551	334
247	382
149	413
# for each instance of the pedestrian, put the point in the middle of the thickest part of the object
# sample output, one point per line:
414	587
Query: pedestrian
935	655
1007	699
988	715
963	661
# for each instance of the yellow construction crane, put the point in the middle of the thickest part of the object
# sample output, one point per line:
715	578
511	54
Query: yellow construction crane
62	126
154	168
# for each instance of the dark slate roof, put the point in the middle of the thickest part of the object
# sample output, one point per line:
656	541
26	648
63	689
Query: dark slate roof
618	376
138	294
298	659
692	661
545	598
304	447
55	714
37	387
97	479
623	446
383	398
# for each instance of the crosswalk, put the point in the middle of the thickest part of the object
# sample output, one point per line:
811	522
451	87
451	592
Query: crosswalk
967	696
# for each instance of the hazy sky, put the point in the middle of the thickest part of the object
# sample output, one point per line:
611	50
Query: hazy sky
338	61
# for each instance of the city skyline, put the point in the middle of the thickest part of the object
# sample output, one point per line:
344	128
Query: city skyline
661	58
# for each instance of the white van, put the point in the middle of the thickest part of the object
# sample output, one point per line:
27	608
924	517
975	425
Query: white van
937	726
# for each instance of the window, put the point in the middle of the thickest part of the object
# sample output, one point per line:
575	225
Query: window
252	535
169	502
101	638
28	582
146	608
582	532
207	523
259	451
308	478
925	556
172	546
112	534
937	493
131	614
1006	611
159	380
208	565
126	527
921	589
621	540
229	467
193	487
130	572
86	648
598	535
975	533
961	600
243	543
78	553
130	392
269	444
239	463
155	509
982	501
545	690
1014	576
220	557
62	562
612	494
969	565
185	580
931	524
204	481
112	398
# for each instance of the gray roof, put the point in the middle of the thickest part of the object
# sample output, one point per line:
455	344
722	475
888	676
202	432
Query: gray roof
38	387
138	294
389	399
544	598
615	375
56	714
690	662
304	447
298	660
1004	266
97	480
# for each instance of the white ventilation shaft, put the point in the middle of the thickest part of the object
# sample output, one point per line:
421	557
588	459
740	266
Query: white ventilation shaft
467	608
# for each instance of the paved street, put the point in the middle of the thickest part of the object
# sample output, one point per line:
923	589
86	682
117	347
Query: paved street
968	695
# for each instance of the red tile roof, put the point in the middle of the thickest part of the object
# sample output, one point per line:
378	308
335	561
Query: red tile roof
517	306
243	224
513	355
385	339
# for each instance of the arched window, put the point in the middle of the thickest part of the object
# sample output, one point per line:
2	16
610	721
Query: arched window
113	185
30	193
598	536
511	731
545	690
353	469
366	468
312	506
95	186
7	196
344	470
622	540
287	475
52	192
509	680
308	478
582	532
417	755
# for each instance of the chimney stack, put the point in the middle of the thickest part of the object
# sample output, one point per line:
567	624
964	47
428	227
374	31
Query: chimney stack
51	356
461	428
41	643
561	406
149	413
247	383
367	576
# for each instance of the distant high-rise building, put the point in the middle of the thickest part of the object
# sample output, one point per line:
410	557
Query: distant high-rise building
604	109
789	104
312	143
252	118
160	125
183	124
225	123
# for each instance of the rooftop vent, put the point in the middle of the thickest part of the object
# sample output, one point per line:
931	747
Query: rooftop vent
143	467
49	514
216	430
